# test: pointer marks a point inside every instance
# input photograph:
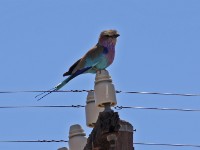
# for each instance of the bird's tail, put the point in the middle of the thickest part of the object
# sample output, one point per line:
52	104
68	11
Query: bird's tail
60	85
56	88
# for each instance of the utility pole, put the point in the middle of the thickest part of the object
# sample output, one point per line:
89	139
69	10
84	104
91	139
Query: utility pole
109	131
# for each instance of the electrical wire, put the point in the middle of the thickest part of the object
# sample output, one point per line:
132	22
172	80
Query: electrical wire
157	93
116	107
117	91
41	91
55	106
154	108
33	141
136	143
164	144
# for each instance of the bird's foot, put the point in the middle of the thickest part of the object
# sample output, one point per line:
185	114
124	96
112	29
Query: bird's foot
96	69
100	70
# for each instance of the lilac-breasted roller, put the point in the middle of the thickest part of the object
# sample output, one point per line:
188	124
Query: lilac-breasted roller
98	58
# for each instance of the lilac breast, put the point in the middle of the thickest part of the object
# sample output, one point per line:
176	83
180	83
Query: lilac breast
109	50
110	56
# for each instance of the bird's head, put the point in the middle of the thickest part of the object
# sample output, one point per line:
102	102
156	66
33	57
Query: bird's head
108	37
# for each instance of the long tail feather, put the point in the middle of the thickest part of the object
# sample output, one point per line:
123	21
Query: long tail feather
58	87
46	93
63	83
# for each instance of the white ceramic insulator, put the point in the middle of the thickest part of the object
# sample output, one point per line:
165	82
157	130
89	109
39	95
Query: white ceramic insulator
104	89
77	139
91	110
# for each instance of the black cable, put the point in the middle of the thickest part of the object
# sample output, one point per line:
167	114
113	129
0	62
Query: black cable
154	108
41	91
116	107
32	141
55	106
117	91
164	144
157	93
136	143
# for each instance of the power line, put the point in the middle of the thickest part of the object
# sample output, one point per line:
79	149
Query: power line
154	108
40	91
33	141
157	93
55	106
164	144
116	107
117	91
64	141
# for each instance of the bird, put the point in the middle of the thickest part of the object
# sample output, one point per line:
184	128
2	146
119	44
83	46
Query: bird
97	58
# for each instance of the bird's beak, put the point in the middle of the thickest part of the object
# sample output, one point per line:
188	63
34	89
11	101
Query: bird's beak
117	35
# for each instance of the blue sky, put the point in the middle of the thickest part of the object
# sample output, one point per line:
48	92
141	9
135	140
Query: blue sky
158	51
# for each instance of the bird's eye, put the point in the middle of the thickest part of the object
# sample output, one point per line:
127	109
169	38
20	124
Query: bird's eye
111	36
107	36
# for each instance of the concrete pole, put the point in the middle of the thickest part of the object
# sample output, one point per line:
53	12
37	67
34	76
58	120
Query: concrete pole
125	136
112	138
109	132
